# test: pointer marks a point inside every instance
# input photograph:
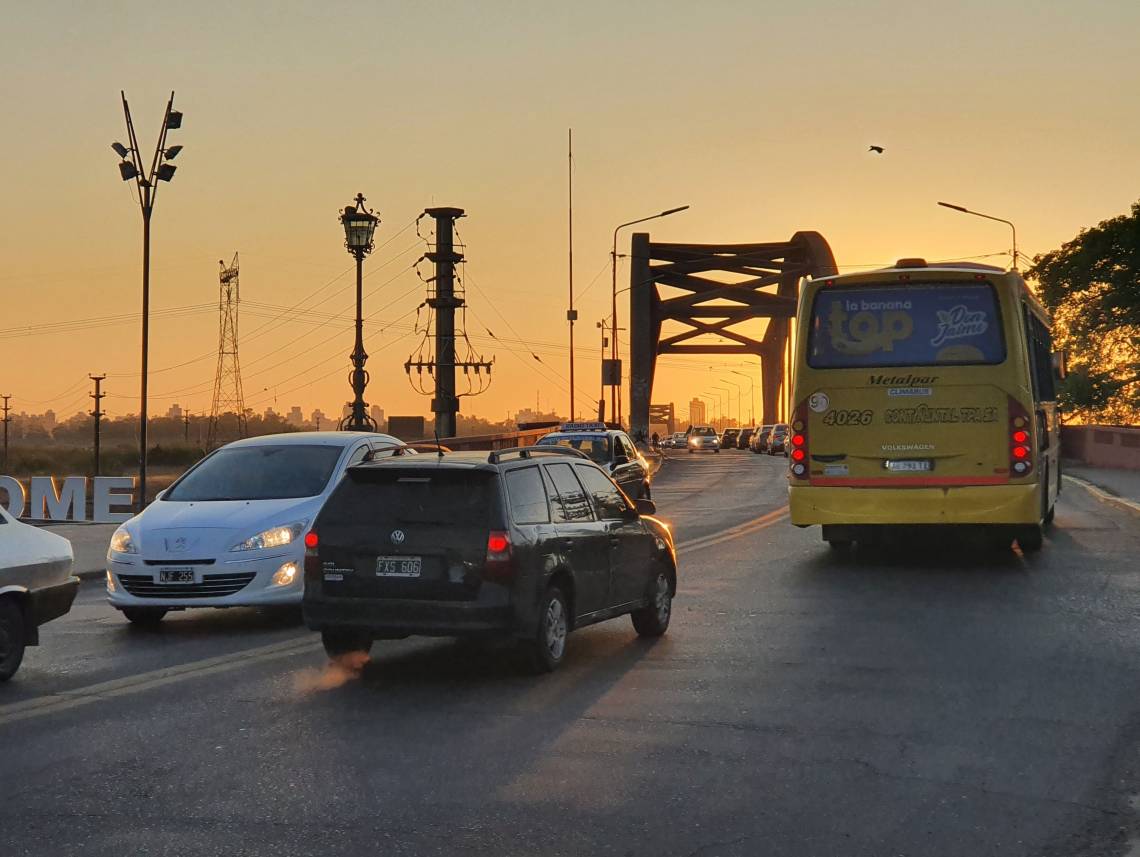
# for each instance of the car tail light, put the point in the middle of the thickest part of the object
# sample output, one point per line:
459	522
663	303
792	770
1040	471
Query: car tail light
1020	440
798	462
311	542
312	562
499	566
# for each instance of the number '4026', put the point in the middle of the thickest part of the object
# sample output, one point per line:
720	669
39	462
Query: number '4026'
848	418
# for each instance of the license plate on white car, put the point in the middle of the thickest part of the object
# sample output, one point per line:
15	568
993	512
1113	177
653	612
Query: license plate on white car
176	575
399	566
911	466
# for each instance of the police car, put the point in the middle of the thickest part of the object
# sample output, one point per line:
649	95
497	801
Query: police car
612	449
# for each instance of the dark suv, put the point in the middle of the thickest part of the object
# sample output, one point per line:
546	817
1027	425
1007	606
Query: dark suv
531	543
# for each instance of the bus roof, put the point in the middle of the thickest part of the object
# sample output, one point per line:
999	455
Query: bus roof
918	271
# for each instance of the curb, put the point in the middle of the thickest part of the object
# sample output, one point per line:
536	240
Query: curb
1103	495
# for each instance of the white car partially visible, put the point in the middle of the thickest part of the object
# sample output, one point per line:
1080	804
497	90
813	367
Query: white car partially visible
36	586
230	532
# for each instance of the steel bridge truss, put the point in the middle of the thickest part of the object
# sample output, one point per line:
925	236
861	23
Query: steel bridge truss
707	307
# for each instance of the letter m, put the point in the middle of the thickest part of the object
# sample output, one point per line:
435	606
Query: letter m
68	503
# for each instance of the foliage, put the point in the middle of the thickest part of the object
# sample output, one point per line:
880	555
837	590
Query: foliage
1092	285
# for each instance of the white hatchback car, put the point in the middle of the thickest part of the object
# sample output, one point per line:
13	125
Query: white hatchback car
230	531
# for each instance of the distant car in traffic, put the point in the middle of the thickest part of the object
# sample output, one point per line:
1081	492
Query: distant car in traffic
36	586
759	442
229	532
531	543
778	439
745	436
611	449
702	439
729	437
680	438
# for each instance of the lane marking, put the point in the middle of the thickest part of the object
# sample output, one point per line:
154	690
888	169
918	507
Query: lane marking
1103	495
745	529
128	685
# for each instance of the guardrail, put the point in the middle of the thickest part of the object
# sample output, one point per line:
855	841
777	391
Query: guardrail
1102	446
504	440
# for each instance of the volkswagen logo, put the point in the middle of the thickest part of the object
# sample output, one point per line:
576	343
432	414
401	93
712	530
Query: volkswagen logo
398	537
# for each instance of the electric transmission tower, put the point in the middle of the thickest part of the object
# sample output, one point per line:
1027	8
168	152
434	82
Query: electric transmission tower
227	382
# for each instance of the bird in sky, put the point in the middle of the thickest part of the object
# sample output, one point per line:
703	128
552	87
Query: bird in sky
878	150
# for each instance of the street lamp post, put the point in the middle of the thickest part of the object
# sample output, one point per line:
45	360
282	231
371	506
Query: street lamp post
615	391
719	400
146	184
359	226
988	217
739	390
751	395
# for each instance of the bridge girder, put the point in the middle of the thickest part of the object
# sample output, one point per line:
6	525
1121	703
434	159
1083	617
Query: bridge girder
710	307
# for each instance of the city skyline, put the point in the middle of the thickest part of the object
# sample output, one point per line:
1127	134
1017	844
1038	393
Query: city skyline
770	144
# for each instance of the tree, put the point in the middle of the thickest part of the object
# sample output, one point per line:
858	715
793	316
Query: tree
1092	286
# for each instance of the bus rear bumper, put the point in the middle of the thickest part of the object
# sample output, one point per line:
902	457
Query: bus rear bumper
968	504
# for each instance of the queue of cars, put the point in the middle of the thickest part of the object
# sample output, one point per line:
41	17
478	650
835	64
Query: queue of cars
376	541
771	439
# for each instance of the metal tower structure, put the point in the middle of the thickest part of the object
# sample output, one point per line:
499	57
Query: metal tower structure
228	397
443	301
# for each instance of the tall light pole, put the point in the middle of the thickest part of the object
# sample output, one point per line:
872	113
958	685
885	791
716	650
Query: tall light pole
359	226
988	217
615	391
719	399
751	395
146	183
728	393
571	313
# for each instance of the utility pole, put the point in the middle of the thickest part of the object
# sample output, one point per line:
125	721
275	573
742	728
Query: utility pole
7	419
571	313
444	404
98	414
186	427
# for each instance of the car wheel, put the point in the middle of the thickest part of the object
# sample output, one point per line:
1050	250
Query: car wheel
340	643
691	451
548	648
717	450
840	544
1030	539
12	636
652	620
645	491
1052	513
147	617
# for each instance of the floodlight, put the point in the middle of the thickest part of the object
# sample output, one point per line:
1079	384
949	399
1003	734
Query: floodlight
165	172
172	152
127	170
174	119
120	150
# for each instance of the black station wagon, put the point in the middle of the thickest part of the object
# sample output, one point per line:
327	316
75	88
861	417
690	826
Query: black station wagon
530	543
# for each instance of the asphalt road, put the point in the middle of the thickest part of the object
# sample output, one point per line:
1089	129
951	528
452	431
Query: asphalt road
931	700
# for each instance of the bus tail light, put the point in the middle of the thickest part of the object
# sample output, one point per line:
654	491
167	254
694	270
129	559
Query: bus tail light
1020	440
798	460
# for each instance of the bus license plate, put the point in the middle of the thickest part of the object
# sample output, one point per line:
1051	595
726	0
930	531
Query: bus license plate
913	466
176	575
398	566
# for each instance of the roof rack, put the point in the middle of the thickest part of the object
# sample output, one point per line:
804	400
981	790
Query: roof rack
529	451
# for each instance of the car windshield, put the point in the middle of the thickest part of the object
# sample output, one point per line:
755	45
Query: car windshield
705	431
268	472
597	446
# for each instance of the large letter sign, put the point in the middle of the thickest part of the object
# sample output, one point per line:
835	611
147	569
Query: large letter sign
112	498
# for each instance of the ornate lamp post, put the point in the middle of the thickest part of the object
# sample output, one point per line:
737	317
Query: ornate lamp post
359	226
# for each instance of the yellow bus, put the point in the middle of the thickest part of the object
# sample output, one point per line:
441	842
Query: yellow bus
924	395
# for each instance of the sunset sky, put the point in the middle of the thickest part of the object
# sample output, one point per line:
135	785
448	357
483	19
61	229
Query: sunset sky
757	115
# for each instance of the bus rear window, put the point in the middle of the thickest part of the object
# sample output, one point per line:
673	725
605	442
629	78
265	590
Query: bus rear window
932	324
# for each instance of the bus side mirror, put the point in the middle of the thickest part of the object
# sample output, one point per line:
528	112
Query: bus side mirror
1060	364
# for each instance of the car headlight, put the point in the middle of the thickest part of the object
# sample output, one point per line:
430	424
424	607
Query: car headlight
121	542
274	537
693	441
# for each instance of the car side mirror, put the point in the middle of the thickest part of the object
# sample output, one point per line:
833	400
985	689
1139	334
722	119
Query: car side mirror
619	460
645	506
1060	364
